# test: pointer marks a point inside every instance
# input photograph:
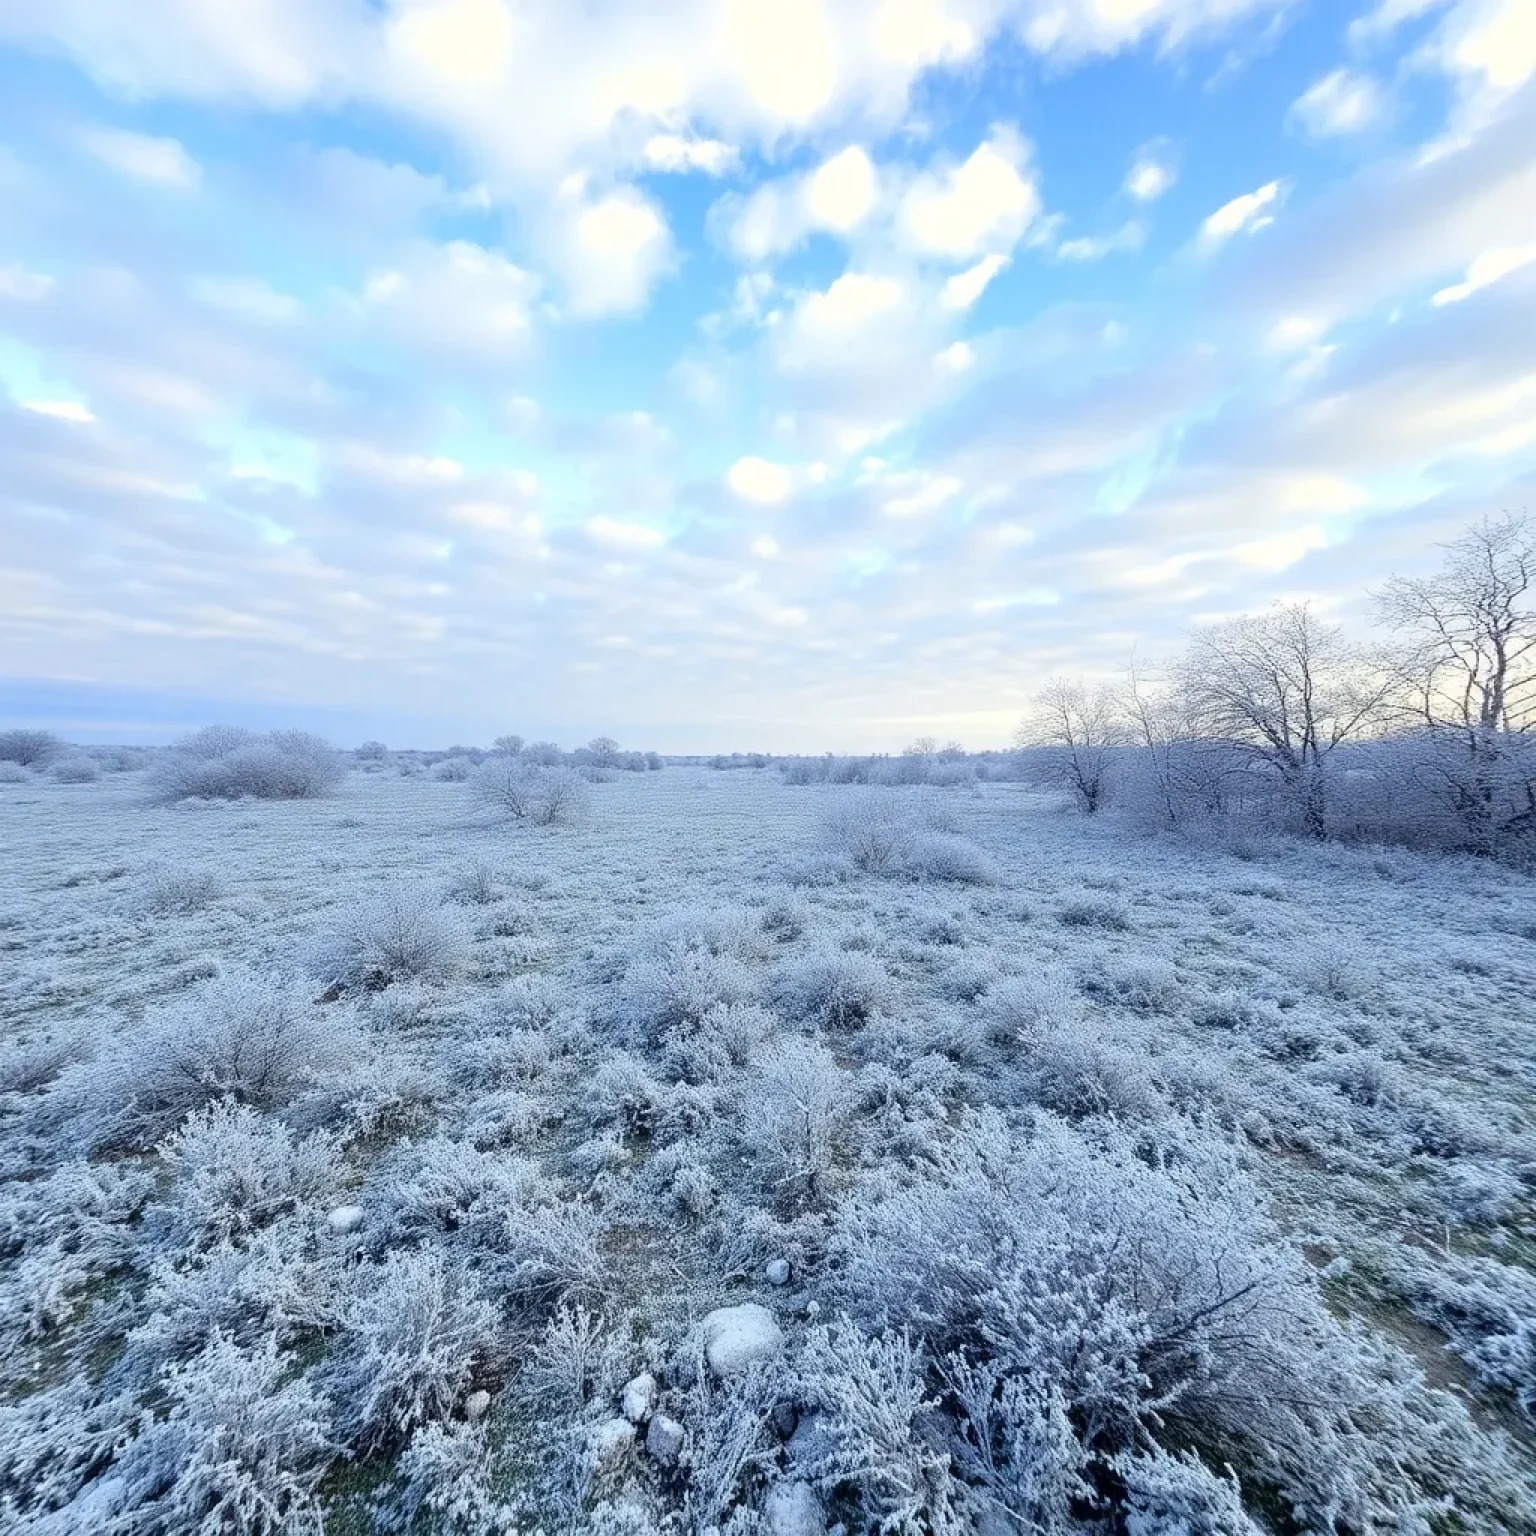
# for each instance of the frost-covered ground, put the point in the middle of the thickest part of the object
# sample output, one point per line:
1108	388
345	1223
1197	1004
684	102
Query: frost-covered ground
755	1157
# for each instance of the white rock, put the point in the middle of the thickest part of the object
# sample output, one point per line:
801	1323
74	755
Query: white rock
793	1509
639	1398
345	1218
664	1439
777	1272
611	1439
477	1405
737	1337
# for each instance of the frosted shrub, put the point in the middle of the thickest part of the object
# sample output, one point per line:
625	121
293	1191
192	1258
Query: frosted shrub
171	892
414	1332
874	833
524	790
797	1118
445	1483
874	1423
475	885
29	749
441	1187
1076	1077
1144	985
51	1443
397	935
242	1449
236	1172
226	763
454	770
1090	912
678	987
832	988
13	773
1022	1007
77	770
241	1038
1158	1300
933	856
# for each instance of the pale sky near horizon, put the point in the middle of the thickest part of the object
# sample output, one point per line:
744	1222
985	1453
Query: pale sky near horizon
733	374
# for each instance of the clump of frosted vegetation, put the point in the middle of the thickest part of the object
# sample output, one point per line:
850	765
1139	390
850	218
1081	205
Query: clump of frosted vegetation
522	789
30	749
397	935
79	769
173	891
13	773
242	1038
833	988
882	834
225	762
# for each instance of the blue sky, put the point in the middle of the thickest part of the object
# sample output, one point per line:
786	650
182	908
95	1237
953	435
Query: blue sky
784	374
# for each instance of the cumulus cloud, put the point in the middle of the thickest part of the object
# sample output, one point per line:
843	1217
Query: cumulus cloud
761	481
609	249
1489	268
458	299
981	206
1244	215
1152	173
1342	102
677	153
963	289
142	157
837	195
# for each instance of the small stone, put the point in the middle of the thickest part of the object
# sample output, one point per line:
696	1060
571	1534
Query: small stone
812	1443
785	1417
477	1405
639	1398
777	1272
738	1337
793	1509
813	1309
664	1439
611	1439
345	1218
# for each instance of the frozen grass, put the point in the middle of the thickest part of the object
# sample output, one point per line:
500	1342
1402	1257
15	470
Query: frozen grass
1104	1182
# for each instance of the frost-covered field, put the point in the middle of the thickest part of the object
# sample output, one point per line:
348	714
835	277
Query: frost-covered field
755	1157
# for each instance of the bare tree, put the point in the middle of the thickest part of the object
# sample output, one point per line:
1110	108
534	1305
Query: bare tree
1468	671
1288	690
1084	728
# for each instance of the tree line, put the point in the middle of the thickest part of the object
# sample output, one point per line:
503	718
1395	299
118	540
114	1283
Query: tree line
1425	734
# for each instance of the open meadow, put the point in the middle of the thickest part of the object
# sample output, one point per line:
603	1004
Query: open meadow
749	1156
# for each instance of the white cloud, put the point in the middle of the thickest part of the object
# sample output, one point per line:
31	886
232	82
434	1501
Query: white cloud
619	534
467	43
923	32
64	410
915	493
459	299
786	56
964	288
1075	29
758	480
841	192
1151	174
1489	268
677	153
1243	215
26	287
611	250
1340	103
838	195
162	161
957	358
984	204
849	304
248	297
1131	236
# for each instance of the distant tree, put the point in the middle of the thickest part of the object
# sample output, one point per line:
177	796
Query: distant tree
373	752
511	745
544	753
1468	674
1288	691
28	748
604	750
1084	729
924	746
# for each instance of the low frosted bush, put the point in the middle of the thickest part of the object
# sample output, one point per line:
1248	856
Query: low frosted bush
1021	1008
414	1333
227	763
678	987
1144	985
29	749
832	988
77	770
1089	912
173	892
797	1118
1074	1076
934	856
874	833
242	1038
454	770
524	790
397	935
241	1447
236	1172
476	884
13	773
